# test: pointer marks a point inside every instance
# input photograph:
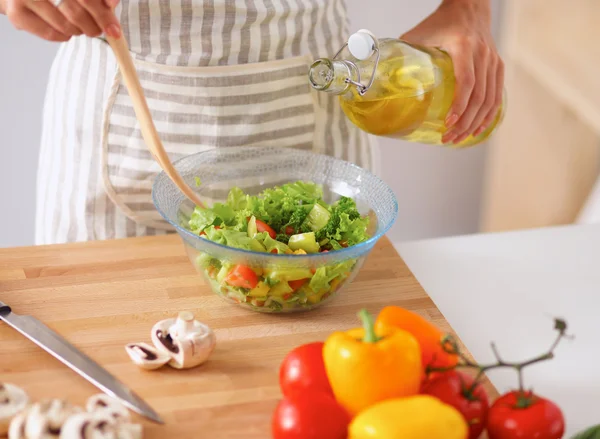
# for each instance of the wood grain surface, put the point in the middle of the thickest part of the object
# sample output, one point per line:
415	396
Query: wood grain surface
102	295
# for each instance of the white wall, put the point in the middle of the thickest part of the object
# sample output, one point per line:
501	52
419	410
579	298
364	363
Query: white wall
438	189
24	64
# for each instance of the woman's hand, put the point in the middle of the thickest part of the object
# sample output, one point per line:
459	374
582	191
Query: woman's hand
60	23
462	28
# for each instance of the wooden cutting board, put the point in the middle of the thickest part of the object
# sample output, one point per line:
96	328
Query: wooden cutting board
102	295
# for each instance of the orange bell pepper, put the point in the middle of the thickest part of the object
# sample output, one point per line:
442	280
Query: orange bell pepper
365	366
426	333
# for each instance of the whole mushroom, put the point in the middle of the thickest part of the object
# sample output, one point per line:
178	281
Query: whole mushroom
43	420
187	341
13	400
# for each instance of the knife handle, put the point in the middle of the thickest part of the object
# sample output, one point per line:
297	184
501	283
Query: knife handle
4	307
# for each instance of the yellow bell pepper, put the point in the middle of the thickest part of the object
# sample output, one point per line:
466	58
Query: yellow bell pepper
365	367
415	417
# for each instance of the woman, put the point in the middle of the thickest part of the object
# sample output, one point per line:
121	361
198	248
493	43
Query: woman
215	73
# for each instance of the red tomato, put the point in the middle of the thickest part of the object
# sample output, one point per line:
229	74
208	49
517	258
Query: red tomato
452	388
263	227
297	284
289	230
303	369
525	415
242	276
309	415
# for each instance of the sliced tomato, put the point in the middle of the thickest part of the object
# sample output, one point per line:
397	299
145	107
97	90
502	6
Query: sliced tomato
264	227
242	276
274	251
297	284
289	230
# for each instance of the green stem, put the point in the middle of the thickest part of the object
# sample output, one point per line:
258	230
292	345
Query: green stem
369	326
450	346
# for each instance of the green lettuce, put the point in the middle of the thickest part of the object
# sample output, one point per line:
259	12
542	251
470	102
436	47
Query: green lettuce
324	275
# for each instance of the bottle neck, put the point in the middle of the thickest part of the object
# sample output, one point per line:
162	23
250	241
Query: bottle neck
331	76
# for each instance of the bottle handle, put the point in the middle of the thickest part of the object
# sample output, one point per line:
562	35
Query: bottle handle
362	89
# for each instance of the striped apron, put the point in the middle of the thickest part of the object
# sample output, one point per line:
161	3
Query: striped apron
216	73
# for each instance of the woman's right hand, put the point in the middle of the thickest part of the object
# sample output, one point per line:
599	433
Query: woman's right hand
60	23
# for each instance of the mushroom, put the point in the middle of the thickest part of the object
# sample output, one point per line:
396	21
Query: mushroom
99	424
43	420
146	356
13	400
187	341
107	405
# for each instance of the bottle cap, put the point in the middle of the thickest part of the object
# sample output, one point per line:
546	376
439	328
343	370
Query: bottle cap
361	44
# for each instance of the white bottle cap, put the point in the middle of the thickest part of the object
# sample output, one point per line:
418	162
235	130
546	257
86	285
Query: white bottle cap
361	44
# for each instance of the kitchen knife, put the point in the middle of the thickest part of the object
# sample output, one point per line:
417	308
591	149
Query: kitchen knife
61	349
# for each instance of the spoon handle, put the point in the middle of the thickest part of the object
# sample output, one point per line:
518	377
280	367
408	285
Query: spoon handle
142	112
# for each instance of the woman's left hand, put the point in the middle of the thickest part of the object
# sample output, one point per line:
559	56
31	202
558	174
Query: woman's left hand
462	28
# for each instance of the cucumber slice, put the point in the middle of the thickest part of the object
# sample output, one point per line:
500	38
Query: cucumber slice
304	241
252	229
317	218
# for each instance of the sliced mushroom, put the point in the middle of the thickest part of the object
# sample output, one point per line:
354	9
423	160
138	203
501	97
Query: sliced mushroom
88	426
13	400
43	420
146	356
106	405
99	424
187	341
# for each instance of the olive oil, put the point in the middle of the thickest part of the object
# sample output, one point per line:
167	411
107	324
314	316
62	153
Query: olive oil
405	92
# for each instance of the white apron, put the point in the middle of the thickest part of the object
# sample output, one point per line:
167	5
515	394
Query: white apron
216	73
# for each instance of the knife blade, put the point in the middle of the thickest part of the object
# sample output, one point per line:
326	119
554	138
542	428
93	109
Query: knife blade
64	351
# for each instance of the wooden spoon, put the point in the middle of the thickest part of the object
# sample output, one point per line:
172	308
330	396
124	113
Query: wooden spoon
142	112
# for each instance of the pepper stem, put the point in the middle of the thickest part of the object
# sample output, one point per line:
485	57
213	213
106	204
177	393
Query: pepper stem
369	326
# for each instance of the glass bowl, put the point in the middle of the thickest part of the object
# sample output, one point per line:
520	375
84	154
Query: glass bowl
254	169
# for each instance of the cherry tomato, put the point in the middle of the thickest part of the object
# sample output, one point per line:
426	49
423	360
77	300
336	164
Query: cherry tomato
309	415
264	227
525	415
297	284
303	369
242	276
453	389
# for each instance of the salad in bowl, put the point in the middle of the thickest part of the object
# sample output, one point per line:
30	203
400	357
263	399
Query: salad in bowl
281	229
292	219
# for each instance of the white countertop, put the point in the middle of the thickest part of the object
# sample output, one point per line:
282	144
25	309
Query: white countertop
507	287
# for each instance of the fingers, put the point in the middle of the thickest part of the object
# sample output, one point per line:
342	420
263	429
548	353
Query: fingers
464	74
479	73
489	94
24	19
47	12
79	17
475	100
103	16
92	17
498	95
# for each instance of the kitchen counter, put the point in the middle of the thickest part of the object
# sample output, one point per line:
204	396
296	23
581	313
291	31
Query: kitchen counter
507	287
102	295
